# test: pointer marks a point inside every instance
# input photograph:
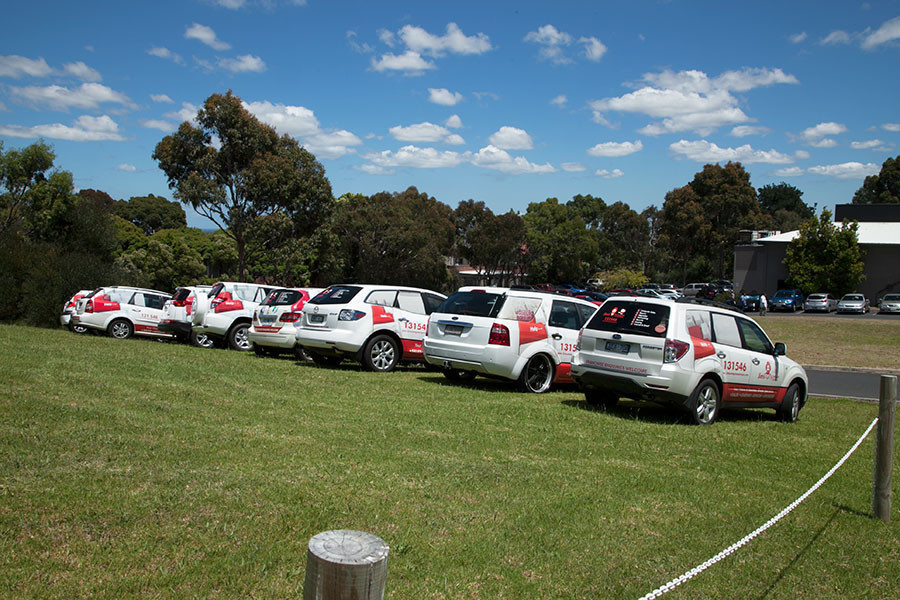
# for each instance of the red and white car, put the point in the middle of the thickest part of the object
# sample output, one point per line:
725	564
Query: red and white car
378	325
527	336
178	315
225	313
65	318
275	321
121	311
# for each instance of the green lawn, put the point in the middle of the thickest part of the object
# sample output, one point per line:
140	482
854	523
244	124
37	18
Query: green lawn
144	469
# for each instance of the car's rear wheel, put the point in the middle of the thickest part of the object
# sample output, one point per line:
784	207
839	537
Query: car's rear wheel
459	374
120	329
201	340
381	354
77	328
537	375
237	337
705	402
789	410
300	353
601	399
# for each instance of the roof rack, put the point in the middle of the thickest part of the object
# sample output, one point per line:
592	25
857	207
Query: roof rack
707	302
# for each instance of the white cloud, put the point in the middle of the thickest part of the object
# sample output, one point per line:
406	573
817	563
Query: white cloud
571	167
362	48
870	145
331	145
798	37
387	37
231	4
82	71
375	170
444	97
127	168
891	126
16	66
790	172
453	41
246	63
594	49
553	43
295	121
161	52
411	63
848	170
511	138
420	132
887	33
835	38
560	101
454	122
612	149
417	158
188	112
57	97
454	139
745	130
160	125
818	135
704	151
614	174
494	158
84	129
206	35
161	98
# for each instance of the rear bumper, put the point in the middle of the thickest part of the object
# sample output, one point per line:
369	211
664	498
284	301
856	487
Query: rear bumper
285	338
638	387
333	341
499	361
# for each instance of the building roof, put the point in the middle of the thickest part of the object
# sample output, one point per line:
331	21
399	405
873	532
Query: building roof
869	233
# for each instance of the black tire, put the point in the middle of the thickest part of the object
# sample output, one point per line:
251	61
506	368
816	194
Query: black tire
79	329
301	354
601	399
260	350
237	337
705	402
324	360
121	329
789	410
537	374
381	354
201	340
459	374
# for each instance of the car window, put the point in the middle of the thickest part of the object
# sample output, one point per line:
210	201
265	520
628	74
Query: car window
476	304
338	294
892	297
432	303
520	309
283	298
754	338
586	312
726	330
411	301
632	317
154	301
699	324
122	297
382	297
136	300
564	314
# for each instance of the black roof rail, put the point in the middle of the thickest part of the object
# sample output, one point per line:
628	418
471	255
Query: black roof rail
707	302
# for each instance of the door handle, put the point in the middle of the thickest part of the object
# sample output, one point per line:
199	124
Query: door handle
720	354
755	361
557	336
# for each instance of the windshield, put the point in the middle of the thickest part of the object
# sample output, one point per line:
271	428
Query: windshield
283	298
892	298
476	304
816	297
632	317
784	294
853	298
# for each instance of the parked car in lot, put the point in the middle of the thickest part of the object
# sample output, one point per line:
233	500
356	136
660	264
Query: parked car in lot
889	304
820	302
691	289
700	356
121	311
178	313
785	300
225	313
378	325
853	303
749	302
65	318
275	320
513	334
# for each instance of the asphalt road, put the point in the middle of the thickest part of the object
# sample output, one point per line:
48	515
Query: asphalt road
864	385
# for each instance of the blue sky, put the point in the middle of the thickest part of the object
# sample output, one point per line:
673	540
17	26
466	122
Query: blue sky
504	102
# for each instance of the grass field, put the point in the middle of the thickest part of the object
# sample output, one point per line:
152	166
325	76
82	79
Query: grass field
153	470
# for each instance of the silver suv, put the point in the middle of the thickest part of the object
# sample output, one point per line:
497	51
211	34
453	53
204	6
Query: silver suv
698	355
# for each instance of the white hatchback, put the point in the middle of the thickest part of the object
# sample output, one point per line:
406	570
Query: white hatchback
121	311
522	335
275	320
699	355
378	325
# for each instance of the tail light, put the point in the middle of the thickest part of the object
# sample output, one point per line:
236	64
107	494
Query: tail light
219	299
578	341
499	335
89	307
179	303
675	350
291	317
224	302
348	314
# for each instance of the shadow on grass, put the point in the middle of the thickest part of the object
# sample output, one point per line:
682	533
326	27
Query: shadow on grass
658	413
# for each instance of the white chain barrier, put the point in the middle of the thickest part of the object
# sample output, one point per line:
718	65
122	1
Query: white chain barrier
731	549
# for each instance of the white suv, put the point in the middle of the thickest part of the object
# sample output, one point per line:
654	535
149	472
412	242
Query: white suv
226	312
121	311
522	335
178	315
699	355
275	321
66	317
378	325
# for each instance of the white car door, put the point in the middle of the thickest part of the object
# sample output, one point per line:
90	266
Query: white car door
412	322
767	375
146	310
565	321
735	360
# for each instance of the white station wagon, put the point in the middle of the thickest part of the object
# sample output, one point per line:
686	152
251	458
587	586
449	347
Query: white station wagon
121	311
522	335
275	320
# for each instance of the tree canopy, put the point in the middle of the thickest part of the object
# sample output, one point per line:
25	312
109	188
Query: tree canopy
883	188
825	257
151	213
783	205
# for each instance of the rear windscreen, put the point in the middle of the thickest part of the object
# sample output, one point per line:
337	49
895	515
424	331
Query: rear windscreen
476	304
283	298
632	317
338	294
181	294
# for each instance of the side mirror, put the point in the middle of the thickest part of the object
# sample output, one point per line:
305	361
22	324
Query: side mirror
780	349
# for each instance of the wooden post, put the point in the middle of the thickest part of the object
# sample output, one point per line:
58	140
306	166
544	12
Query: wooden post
345	565
884	448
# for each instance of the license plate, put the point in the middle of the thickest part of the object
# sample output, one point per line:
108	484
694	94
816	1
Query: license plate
316	318
620	347
453	329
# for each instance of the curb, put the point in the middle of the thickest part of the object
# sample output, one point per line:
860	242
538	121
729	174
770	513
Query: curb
840	369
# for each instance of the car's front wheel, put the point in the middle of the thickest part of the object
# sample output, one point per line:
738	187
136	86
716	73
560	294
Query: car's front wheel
237	337
381	354
120	329
537	375
789	410
705	402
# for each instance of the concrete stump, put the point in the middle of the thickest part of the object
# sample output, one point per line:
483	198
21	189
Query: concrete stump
345	565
